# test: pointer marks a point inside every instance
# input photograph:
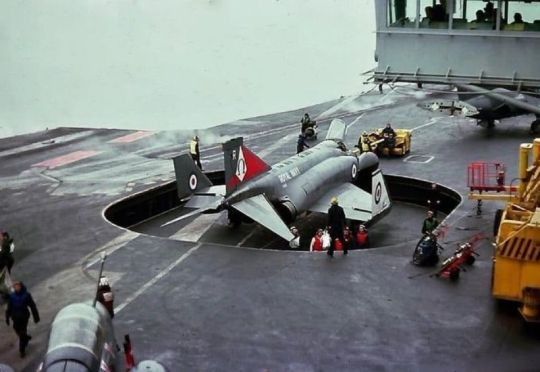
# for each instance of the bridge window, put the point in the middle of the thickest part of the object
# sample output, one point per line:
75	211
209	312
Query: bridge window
505	15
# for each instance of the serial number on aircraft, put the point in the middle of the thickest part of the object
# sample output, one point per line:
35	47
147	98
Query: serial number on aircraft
289	175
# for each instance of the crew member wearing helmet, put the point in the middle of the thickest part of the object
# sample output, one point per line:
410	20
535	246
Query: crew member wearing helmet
336	224
195	152
105	295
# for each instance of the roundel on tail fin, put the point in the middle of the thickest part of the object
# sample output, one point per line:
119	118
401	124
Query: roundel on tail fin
193	181
378	193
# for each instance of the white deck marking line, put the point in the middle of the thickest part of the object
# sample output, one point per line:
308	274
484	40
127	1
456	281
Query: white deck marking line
337	107
193	231
155	279
112	246
355	121
47	143
427	160
270	149
430	122
247	236
72	157
132	137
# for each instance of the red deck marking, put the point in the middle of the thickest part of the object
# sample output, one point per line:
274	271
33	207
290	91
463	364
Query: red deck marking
66	159
132	137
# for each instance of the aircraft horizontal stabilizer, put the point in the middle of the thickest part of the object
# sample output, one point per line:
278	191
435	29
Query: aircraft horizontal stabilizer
205	197
213	205
259	209
356	203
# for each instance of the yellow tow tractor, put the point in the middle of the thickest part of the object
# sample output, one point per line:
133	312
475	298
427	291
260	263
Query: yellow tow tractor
516	260
384	145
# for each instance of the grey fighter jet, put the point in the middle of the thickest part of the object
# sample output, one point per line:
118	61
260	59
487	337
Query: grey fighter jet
486	105
274	196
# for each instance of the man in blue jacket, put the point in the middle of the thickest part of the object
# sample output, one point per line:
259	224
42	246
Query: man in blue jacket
17	311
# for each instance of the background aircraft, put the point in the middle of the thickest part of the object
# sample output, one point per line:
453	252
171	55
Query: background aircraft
275	196
489	105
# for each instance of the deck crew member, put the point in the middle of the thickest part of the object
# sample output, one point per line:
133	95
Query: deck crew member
316	244
306	122
7	246
364	144
362	237
430	223
105	295
17	310
195	151
336	224
301	143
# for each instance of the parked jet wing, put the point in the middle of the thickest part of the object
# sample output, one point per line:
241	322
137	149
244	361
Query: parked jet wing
259	209
356	203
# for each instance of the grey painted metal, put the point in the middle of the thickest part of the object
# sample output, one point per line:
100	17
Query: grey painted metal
483	57
507	97
83	335
290	187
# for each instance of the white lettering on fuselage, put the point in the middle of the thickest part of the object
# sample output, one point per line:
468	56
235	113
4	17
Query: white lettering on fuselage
289	175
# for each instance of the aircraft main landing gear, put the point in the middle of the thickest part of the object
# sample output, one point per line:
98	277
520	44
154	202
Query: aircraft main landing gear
535	127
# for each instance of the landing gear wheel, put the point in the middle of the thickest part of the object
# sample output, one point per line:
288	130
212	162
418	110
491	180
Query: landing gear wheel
497	221
535	127
470	260
233	219
454	275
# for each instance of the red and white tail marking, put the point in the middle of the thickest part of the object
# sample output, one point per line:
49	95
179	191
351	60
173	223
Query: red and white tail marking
248	166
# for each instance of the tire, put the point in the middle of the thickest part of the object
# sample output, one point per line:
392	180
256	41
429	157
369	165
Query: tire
497	221
470	260
535	127
454	275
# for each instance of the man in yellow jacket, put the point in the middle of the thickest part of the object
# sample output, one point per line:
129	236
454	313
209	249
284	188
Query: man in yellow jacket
195	152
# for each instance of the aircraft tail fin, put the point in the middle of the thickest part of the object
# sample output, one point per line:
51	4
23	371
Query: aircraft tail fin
380	201
241	164
189	177
337	130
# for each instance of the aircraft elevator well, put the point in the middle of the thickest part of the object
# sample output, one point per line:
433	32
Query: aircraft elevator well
136	209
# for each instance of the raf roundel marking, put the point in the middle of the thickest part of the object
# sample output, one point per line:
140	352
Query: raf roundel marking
354	171
378	193
192	182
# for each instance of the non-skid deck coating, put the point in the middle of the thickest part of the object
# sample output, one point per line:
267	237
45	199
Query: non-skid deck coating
199	299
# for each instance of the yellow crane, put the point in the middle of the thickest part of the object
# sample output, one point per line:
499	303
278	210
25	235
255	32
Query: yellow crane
516	261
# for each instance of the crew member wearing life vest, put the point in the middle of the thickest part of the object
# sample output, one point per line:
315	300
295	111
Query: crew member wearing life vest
362	238
347	238
364	143
195	152
316	244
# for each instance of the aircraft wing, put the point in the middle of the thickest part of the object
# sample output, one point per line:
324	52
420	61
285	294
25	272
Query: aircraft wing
501	97
259	209
356	203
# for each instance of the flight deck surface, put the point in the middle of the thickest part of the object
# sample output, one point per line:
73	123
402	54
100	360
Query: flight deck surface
197	296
